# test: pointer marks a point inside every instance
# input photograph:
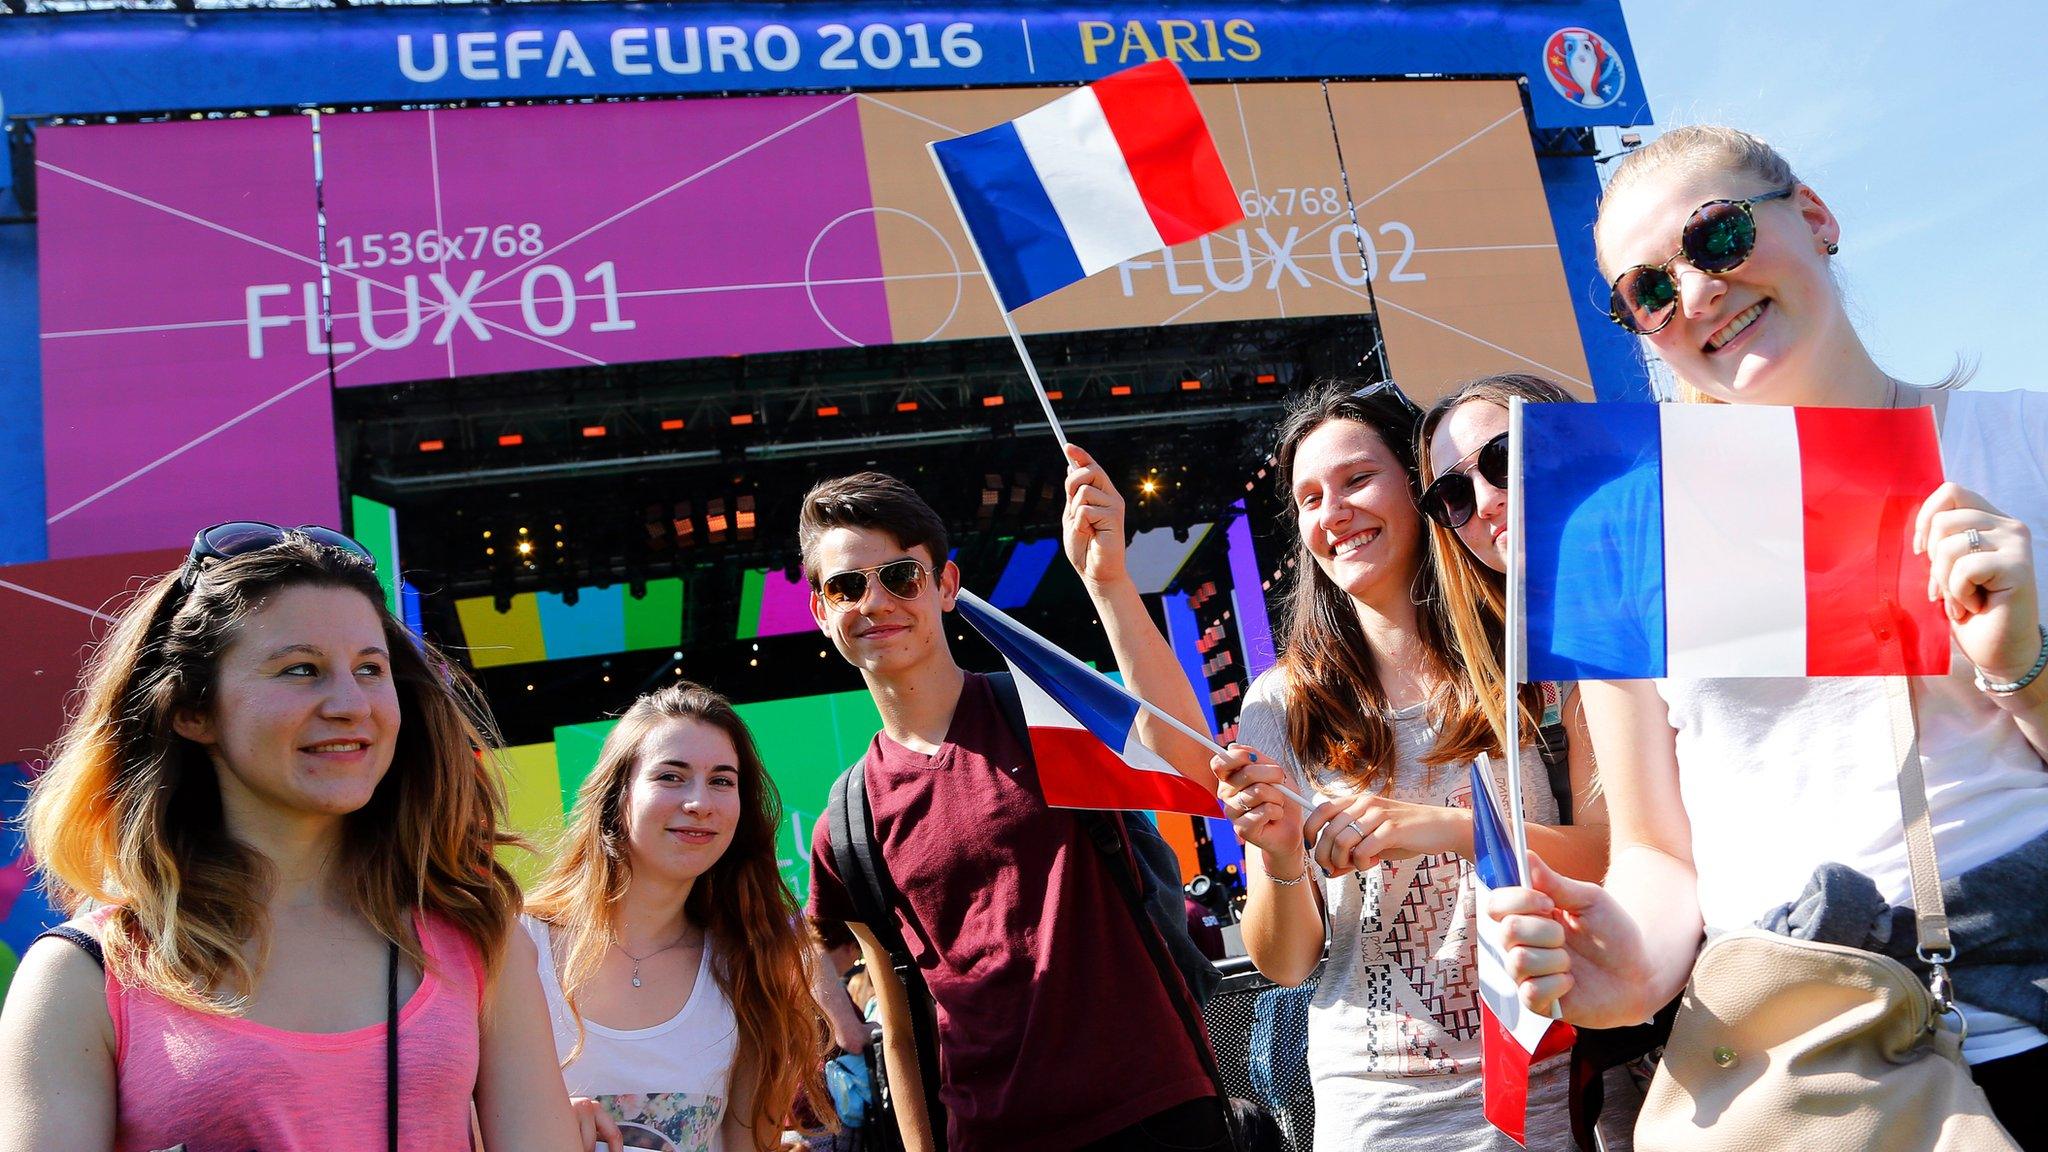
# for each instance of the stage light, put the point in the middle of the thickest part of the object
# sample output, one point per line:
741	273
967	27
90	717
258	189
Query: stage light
742	419
1180	533
1266	378
511	440
1120	390
570	596
526	547
671	425
432	445
593	431
490	551
906	405
743	518
487	533
522	531
685	527
714	520
1055	394
1149	486
1191	385
827	410
991	401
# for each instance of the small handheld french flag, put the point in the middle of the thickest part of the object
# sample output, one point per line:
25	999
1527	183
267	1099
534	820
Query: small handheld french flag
1698	540
1112	170
1511	1037
1084	737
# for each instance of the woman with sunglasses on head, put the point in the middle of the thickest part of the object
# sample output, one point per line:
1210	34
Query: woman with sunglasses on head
1369	705
1727	795
280	809
669	945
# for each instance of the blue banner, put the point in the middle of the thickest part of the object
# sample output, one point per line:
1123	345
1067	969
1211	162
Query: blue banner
1575	54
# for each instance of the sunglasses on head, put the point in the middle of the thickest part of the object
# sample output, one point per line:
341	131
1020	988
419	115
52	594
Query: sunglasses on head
903	579
1718	237
241	537
1450	499
1388	390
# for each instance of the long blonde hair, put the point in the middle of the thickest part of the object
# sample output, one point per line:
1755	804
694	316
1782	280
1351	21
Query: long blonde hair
129	815
759	951
1475	596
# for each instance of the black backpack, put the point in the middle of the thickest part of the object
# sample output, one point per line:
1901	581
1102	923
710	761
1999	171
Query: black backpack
1140	862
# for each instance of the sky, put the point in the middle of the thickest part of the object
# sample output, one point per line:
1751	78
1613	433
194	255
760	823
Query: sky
1923	125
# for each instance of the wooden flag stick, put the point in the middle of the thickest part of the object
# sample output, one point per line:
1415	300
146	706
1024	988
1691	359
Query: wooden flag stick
1016	338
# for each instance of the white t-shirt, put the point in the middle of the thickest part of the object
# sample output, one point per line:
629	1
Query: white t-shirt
667	1085
1393	1029
1780	776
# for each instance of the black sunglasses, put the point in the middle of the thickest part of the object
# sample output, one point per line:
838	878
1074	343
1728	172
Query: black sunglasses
903	579
1450	500
241	537
1718	237
1388	390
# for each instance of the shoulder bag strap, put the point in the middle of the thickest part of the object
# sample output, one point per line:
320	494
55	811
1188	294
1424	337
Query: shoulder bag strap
1930	912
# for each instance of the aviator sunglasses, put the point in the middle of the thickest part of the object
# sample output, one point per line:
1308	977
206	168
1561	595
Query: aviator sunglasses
241	537
1450	500
903	579
1717	238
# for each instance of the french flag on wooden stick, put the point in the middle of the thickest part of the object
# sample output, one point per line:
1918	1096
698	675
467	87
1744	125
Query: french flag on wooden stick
1511	1037
1697	540
1083	727
1112	170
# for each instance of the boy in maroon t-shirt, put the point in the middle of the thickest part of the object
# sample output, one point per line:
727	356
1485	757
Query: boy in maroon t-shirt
1055	1029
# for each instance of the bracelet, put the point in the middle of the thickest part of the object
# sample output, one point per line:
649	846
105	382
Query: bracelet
2040	662
1290	883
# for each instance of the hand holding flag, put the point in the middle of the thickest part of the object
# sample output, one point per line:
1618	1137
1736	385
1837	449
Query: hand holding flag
1512	1038
1083	727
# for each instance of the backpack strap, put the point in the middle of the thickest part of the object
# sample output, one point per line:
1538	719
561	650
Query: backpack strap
80	937
851	835
1554	746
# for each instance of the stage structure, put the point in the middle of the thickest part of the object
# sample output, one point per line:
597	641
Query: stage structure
561	307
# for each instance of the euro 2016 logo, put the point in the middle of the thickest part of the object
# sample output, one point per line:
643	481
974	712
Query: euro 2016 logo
1584	68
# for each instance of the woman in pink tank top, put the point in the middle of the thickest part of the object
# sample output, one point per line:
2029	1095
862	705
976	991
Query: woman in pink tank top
278	805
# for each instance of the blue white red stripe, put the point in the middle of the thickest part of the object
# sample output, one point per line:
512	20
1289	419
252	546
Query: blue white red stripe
1695	540
1511	1037
1083	728
1113	170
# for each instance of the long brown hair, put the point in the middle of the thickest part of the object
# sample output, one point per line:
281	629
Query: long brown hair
129	812
759	953
1335	703
1474	595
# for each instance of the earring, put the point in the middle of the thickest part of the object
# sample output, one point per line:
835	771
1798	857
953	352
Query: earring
1833	248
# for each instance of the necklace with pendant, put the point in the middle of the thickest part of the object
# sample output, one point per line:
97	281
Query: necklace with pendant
651	955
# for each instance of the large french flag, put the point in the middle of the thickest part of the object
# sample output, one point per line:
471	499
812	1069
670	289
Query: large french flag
1112	170
1696	540
1083	728
1511	1037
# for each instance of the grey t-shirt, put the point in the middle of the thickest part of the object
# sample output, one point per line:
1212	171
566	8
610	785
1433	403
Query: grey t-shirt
1393	1030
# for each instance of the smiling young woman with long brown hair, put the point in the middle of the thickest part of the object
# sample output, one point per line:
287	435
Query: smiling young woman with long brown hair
274	817
670	949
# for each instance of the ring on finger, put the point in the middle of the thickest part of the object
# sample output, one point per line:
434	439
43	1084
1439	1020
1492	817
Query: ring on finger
1974	538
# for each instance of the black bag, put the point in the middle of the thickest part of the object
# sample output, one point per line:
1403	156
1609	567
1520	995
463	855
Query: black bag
1139	861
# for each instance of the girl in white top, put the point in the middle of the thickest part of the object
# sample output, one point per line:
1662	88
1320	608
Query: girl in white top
1369	705
669	948
1725	794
